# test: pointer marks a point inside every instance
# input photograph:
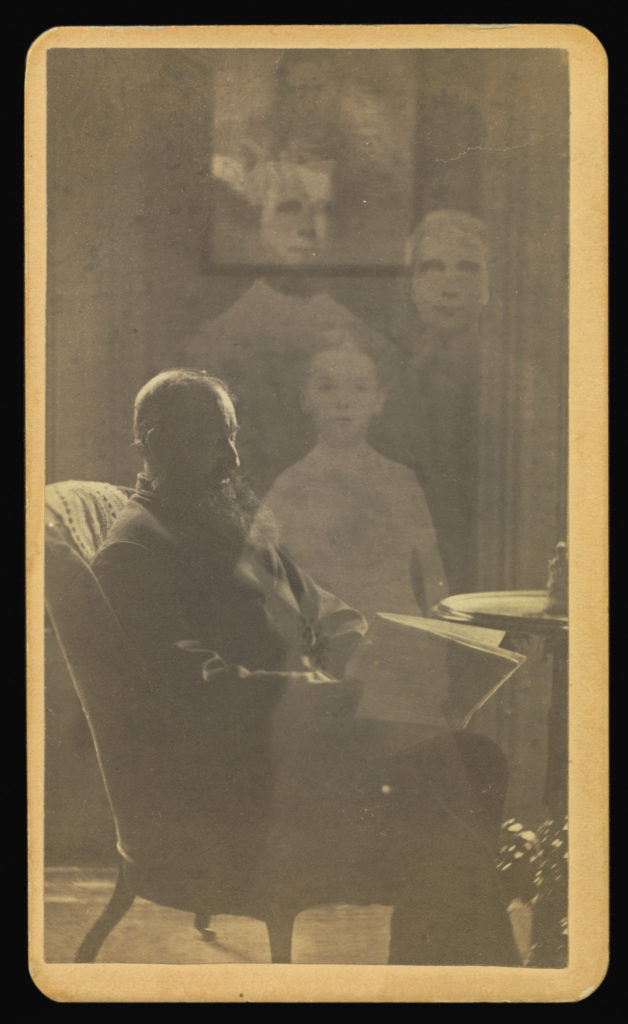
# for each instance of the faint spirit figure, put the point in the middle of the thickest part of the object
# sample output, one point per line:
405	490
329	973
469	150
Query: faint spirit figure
357	519
431	422
311	178
348	121
259	341
450	287
292	201
295	211
449	276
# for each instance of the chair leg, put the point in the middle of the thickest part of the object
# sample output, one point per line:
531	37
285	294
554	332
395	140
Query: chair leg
201	923
120	902
280	925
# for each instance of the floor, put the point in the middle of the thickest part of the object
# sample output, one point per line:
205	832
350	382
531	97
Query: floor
150	934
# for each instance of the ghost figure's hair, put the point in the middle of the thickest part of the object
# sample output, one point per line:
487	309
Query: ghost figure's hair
378	349
278	178
270	180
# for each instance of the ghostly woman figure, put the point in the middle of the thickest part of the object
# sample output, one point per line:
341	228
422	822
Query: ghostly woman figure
448	259
431	419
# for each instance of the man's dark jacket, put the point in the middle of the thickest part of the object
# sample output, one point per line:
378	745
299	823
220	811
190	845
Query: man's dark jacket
219	622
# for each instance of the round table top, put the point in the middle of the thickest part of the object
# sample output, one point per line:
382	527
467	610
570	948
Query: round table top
514	610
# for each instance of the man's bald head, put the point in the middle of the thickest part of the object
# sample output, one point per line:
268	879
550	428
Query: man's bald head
168	400
185	424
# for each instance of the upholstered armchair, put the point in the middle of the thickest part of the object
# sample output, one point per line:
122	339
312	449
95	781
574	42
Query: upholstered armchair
111	680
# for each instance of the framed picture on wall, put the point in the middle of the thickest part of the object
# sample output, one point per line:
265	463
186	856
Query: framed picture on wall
312	159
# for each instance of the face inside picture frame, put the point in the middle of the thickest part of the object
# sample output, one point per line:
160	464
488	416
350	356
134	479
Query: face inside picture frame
330	134
207	740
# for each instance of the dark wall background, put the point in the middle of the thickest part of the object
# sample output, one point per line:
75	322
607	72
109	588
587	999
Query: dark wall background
130	281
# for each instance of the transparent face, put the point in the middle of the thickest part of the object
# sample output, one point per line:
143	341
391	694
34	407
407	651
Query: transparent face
204	452
342	394
449	282
295	226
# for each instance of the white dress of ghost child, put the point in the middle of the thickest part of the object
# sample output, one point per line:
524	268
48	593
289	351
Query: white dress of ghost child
356	521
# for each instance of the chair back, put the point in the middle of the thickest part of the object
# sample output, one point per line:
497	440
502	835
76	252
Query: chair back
86	509
163	825
109	678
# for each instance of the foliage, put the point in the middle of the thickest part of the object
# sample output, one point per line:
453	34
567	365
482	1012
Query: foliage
533	868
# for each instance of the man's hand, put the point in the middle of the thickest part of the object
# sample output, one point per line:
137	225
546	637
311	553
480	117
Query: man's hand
310	700
317	677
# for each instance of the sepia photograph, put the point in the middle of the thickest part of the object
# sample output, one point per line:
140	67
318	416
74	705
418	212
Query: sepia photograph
316	371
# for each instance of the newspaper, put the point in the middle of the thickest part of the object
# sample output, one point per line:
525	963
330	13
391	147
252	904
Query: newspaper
427	672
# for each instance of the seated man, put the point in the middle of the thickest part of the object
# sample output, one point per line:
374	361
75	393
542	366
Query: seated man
271	788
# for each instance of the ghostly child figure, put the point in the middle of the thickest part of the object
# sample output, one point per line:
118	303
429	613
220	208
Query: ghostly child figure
358	520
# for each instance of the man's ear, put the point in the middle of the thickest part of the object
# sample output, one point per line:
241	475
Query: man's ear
152	446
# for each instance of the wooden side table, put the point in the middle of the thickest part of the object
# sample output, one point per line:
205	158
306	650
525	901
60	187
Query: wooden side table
522	611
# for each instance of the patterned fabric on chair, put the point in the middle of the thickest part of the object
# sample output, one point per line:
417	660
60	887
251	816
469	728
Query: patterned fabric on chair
86	509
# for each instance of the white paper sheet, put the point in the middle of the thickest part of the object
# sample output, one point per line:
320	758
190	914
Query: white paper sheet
427	672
